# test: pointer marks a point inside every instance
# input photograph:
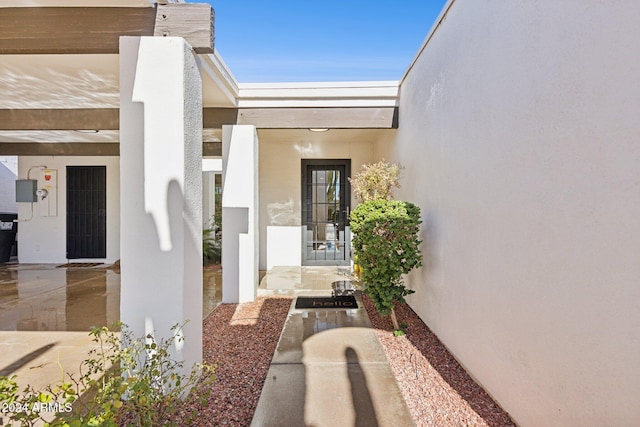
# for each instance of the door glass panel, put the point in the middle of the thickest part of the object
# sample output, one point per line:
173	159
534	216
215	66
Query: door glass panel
325	213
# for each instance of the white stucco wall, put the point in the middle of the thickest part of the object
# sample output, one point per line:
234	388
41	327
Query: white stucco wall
43	239
520	135
161	172
7	188
240	192
280	192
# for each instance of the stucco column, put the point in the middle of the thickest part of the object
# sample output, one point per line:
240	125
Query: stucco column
239	213
161	191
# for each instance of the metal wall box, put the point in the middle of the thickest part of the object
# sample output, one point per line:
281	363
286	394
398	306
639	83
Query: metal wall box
26	190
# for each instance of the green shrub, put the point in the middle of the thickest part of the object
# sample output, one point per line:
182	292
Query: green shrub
125	381
386	244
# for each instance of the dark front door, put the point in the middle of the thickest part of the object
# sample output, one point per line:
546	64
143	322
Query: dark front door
325	212
86	212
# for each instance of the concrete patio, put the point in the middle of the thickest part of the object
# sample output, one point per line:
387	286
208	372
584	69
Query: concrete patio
47	311
328	368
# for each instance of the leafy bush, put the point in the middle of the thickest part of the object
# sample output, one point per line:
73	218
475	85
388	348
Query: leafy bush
124	381
387	246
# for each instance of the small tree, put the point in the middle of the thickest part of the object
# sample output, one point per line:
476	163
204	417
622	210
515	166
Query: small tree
376	181
387	246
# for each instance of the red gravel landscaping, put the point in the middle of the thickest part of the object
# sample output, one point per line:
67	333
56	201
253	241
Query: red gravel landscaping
438	391
241	339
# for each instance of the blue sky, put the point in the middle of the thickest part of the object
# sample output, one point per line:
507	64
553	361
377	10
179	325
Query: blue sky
329	40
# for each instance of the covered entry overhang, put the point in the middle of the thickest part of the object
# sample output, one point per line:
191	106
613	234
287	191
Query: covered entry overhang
69	105
59	79
124	78
59	75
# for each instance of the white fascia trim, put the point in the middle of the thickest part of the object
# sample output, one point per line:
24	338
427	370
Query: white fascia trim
325	94
316	103
319	85
217	70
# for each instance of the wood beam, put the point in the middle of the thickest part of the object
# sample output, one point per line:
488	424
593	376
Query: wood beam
304	118
65	30
193	22
213	118
323	117
92	118
97	30
60	119
210	149
59	149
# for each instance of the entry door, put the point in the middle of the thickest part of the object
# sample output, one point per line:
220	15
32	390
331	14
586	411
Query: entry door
325	212
86	212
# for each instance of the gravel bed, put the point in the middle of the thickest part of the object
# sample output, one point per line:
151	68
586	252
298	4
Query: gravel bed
438	391
240	339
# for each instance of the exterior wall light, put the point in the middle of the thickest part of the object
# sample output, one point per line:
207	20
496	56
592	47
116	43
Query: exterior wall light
318	129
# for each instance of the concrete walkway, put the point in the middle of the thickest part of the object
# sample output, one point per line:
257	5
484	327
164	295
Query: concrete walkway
329	368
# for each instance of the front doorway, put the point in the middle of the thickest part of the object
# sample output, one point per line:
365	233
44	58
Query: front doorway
86	212
325	212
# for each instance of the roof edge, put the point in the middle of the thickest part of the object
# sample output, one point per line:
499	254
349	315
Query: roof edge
427	39
319	94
